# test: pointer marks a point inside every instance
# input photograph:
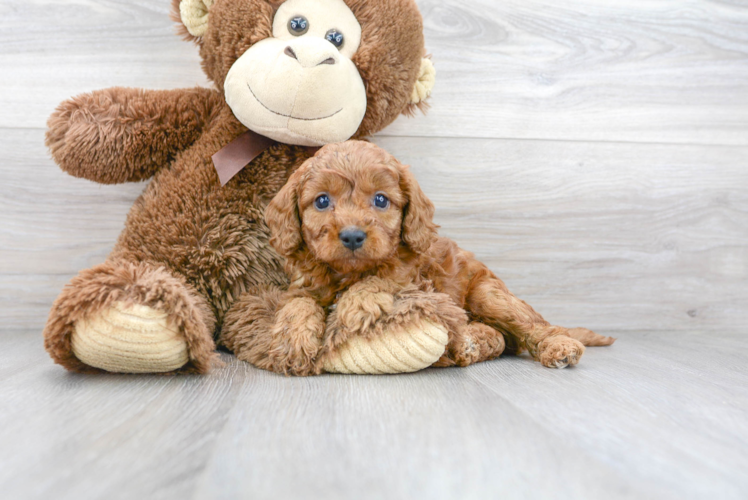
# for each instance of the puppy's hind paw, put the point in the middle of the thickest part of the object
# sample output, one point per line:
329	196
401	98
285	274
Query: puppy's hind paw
560	351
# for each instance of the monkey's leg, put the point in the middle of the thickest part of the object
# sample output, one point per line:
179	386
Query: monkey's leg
373	331
127	317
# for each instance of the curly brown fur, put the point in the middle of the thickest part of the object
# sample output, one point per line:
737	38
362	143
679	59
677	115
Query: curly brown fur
120	124
406	305
276	331
99	287
472	342
289	332
401	251
212	238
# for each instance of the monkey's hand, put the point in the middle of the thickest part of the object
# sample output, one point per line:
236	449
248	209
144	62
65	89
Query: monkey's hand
125	135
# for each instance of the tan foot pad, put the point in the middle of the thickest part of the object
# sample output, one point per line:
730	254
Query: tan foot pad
398	351
133	339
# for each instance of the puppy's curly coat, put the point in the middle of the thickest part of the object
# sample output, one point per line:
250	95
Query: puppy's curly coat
357	232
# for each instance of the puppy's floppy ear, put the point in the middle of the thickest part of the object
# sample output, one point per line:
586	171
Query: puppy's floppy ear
282	217
419	230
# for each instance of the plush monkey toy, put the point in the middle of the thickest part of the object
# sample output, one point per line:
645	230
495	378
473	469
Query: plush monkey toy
289	76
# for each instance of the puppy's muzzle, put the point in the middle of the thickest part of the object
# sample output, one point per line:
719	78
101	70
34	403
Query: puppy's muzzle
352	238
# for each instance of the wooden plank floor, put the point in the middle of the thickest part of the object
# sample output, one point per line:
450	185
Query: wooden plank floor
659	415
593	153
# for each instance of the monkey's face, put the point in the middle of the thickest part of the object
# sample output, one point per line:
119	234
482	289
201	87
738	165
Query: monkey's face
312	72
300	86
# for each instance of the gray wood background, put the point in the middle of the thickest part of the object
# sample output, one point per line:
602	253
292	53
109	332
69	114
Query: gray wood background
594	153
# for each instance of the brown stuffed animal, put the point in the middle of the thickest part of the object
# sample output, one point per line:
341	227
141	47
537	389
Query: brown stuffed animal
300	73
363	254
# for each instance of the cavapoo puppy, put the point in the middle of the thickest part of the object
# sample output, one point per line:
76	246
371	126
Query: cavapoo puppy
359	239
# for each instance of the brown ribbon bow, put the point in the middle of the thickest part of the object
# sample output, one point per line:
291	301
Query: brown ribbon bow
237	154
240	152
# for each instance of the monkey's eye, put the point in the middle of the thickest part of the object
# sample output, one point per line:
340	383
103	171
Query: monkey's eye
298	25
335	37
322	202
381	201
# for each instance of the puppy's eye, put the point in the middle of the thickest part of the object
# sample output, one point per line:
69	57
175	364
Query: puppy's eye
298	25
335	37
381	201
322	202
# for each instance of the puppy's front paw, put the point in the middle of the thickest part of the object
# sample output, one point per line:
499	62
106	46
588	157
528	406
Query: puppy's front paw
297	337
358	310
560	351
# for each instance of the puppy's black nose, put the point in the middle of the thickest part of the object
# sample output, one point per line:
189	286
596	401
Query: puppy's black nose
353	238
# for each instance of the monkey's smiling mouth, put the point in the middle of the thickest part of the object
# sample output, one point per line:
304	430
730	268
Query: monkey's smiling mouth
290	116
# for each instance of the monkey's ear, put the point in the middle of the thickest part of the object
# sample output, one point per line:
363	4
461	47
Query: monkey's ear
419	230
193	15
282	217
424	83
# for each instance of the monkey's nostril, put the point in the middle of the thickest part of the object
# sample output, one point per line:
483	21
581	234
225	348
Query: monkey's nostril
290	53
329	60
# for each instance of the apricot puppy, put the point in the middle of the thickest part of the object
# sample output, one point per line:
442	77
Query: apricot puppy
353	220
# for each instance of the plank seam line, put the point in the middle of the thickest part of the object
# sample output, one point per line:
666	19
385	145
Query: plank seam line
578	141
524	139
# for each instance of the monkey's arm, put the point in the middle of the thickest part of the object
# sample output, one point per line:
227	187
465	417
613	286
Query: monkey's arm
125	135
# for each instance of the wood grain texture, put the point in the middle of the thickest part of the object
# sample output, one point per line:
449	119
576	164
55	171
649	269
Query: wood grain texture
641	70
644	71
603	235
593	153
660	416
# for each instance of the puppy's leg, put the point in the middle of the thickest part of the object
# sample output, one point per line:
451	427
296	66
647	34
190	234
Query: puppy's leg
276	331
489	300
473	343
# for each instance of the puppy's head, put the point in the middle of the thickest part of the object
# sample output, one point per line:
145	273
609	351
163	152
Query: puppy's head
352	205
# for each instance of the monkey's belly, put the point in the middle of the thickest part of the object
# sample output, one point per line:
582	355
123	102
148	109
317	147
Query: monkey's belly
221	247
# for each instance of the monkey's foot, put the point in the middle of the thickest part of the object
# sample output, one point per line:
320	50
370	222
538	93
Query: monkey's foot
128	317
134	339
400	349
